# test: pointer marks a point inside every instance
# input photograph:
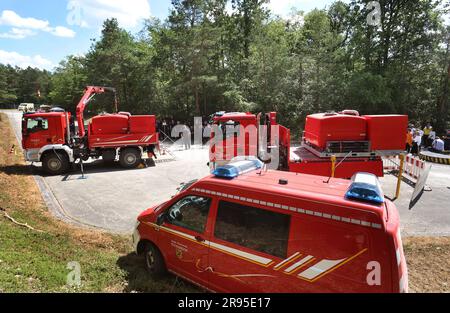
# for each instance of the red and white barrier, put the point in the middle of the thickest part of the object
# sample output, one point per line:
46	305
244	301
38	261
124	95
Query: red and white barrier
412	167
391	163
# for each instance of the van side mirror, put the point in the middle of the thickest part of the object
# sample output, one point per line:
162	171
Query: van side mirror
161	219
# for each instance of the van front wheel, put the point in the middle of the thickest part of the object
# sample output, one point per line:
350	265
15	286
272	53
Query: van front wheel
154	261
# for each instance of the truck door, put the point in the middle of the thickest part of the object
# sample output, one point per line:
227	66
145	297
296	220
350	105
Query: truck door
35	132
184	237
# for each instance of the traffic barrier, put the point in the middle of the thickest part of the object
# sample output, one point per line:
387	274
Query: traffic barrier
391	163
413	166
435	157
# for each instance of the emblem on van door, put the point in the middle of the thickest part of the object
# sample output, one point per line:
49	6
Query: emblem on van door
179	253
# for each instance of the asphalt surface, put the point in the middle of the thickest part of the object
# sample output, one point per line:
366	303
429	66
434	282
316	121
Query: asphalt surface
111	198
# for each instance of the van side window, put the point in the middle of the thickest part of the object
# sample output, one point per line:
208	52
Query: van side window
190	212
253	228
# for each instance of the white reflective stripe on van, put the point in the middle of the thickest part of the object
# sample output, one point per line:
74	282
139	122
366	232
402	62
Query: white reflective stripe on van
297	264
293	209
245	255
248	256
397	255
286	261
319	268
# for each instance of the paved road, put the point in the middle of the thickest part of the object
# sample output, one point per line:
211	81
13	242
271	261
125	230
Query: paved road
110	198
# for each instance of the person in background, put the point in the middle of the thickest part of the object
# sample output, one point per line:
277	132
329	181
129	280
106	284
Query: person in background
438	145
418	129
409	140
417	140
426	133
431	137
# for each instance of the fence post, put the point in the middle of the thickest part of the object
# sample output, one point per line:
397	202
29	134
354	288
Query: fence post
400	174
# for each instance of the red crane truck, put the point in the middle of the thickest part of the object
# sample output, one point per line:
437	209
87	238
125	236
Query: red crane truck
333	144
47	137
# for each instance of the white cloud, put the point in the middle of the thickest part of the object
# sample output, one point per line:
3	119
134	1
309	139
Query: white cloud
18	33
23	61
23	27
92	13
61	31
11	18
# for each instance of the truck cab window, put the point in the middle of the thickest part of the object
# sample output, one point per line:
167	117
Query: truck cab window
253	228
36	124
190	212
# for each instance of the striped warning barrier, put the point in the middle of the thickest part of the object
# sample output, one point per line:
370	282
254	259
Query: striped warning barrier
435	157
413	166
391	163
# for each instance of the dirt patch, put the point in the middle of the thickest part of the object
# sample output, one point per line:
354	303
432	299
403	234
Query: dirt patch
428	263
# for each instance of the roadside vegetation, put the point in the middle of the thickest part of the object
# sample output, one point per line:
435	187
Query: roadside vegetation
35	258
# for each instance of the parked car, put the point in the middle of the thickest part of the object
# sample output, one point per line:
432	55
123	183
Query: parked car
245	229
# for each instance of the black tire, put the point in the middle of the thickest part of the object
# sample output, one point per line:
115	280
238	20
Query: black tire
130	158
55	163
154	261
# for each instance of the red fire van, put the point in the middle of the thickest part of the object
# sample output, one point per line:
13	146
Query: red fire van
247	229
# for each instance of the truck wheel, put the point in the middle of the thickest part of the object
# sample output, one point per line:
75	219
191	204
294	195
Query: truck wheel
55	163
130	158
154	261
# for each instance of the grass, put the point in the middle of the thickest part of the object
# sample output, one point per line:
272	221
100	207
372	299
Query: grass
33	261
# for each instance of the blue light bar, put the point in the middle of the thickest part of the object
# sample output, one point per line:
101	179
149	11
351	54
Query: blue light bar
235	169
365	187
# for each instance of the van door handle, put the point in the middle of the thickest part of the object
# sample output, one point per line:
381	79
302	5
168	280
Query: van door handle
199	238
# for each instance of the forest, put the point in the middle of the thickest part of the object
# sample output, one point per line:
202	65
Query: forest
206	57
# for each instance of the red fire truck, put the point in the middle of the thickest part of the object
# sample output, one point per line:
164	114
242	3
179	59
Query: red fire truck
248	229
49	137
333	144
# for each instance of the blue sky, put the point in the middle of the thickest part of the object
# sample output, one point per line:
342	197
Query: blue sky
41	33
